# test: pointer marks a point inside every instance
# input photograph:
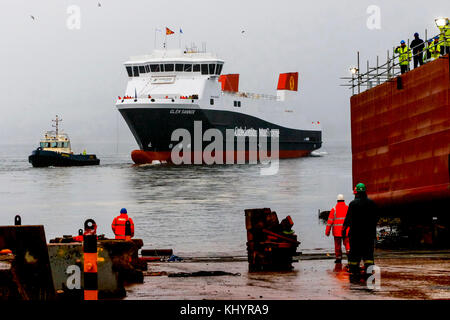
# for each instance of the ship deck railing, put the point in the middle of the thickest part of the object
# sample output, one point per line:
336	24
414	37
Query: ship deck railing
387	71
250	95
160	97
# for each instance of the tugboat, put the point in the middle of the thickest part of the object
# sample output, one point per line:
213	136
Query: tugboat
54	150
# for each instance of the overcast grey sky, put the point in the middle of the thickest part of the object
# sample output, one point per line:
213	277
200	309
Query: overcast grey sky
47	69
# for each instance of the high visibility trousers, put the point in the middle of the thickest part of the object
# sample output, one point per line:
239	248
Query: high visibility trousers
445	50
361	249
338	241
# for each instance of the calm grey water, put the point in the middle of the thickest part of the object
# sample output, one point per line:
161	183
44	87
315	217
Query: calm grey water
195	210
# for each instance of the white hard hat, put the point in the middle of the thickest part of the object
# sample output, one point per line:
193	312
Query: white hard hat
340	197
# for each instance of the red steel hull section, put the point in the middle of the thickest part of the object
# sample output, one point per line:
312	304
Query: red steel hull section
401	138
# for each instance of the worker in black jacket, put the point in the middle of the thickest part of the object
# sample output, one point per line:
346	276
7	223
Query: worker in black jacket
417	45
362	221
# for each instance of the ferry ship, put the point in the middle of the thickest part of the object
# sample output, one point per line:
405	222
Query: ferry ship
175	89
55	150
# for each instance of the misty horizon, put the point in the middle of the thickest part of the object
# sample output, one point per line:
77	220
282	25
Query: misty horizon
78	74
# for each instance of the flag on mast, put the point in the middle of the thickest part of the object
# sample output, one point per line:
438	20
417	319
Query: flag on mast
169	32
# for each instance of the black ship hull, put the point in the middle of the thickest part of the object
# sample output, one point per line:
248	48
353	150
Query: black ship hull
42	158
153	128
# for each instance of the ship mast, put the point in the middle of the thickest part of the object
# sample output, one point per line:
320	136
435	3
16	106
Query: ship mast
56	121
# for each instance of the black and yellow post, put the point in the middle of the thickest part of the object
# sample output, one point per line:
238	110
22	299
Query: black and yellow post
127	231
90	261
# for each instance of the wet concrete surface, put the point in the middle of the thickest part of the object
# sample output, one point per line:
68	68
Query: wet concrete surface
405	275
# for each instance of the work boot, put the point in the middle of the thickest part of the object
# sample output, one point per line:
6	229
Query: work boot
338	261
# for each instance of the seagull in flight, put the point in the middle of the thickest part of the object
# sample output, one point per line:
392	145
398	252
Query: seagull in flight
32	17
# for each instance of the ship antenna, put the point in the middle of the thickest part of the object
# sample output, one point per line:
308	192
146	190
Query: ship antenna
56	121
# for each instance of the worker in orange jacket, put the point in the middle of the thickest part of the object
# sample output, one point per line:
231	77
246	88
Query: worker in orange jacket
336	221
118	225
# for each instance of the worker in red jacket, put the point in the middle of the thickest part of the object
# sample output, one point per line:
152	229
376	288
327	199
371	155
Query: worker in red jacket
336	221
118	225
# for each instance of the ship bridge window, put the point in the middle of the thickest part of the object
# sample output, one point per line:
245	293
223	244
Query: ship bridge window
154	67
187	67
204	69
179	67
141	69
212	68
219	69
135	71
53	145
168	67
196	68
130	71
161	67
147	68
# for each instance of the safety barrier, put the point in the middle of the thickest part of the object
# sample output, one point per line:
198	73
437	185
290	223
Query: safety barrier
90	261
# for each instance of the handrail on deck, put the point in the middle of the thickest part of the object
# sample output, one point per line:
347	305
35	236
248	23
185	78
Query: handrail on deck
251	95
388	70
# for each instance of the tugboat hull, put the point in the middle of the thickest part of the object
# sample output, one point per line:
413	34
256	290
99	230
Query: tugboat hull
41	158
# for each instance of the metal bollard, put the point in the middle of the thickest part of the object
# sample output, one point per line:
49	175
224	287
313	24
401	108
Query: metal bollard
127	231
17	220
90	260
